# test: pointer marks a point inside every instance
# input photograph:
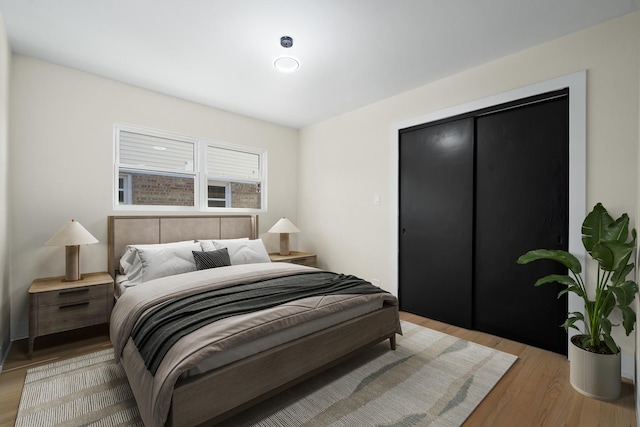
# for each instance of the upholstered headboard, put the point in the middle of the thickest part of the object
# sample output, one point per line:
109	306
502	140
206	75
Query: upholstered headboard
131	230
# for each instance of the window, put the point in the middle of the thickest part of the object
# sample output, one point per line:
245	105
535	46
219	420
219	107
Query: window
165	171
218	194
238	172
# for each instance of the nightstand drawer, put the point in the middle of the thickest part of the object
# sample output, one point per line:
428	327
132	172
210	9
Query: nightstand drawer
71	295
71	315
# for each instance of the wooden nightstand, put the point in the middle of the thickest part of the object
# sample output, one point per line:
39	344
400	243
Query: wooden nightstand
302	258
56	305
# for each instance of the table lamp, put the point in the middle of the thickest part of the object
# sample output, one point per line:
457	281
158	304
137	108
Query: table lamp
284	227
71	236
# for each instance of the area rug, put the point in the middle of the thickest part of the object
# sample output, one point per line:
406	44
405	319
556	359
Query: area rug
432	379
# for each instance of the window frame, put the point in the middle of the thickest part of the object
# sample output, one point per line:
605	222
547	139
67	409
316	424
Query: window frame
227	193
201	178
126	187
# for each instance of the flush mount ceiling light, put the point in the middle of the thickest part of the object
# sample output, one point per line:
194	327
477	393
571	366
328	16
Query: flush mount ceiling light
286	64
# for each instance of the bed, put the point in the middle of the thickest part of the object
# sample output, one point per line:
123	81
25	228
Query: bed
209	375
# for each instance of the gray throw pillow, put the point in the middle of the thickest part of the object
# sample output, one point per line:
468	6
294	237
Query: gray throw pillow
211	259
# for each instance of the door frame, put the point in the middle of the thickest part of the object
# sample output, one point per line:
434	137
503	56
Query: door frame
577	84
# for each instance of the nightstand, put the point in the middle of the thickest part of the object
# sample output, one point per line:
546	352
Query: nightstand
302	258
56	305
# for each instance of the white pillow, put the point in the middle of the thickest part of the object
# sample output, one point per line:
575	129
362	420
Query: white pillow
131	264
127	260
245	251
213	245
167	260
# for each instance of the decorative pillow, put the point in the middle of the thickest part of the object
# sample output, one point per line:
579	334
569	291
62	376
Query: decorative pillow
154	261
246	251
211	259
212	245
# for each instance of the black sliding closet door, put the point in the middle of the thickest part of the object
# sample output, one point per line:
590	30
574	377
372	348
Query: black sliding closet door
476	192
522	187
436	222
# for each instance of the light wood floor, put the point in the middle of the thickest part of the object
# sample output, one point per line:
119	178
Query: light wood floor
534	392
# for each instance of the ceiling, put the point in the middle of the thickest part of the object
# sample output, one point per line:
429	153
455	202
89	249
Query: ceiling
352	52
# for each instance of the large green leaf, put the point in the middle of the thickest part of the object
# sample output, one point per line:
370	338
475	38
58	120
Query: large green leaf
570	323
563	257
625	292
605	325
624	267
603	255
621	273
612	256
563	279
594	226
628	319
611	344
572	319
574	288
619	230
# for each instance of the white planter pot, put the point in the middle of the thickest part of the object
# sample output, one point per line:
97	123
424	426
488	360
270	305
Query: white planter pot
595	375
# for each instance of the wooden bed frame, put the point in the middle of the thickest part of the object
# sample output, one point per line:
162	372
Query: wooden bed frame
216	395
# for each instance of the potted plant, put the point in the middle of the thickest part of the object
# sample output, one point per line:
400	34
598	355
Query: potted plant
595	368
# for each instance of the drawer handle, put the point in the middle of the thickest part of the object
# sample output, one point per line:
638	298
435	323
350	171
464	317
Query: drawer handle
73	291
77	304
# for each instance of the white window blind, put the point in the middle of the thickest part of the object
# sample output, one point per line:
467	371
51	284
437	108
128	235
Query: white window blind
155	153
233	164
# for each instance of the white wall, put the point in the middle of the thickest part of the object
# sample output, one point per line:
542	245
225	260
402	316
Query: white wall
61	153
345	161
5	300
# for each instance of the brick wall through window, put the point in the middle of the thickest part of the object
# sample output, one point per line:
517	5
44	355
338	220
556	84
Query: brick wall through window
147	189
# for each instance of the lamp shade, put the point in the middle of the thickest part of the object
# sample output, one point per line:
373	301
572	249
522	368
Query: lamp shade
71	234
284	226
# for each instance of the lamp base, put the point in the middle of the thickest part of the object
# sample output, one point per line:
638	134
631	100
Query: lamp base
72	264
284	243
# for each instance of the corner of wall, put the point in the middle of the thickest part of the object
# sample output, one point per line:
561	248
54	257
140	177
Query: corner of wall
5	243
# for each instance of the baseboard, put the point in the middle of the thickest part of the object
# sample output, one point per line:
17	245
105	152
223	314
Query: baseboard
628	367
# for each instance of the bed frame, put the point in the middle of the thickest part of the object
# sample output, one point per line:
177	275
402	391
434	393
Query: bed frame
214	396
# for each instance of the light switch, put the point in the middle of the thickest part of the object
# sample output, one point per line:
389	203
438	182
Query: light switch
376	199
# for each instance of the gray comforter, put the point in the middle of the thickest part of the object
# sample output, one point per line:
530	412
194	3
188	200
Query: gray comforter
153	392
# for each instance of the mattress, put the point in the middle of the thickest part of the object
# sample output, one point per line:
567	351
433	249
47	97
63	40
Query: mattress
265	343
281	337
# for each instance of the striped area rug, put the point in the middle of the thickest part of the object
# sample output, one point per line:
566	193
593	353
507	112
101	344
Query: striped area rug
88	390
432	379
